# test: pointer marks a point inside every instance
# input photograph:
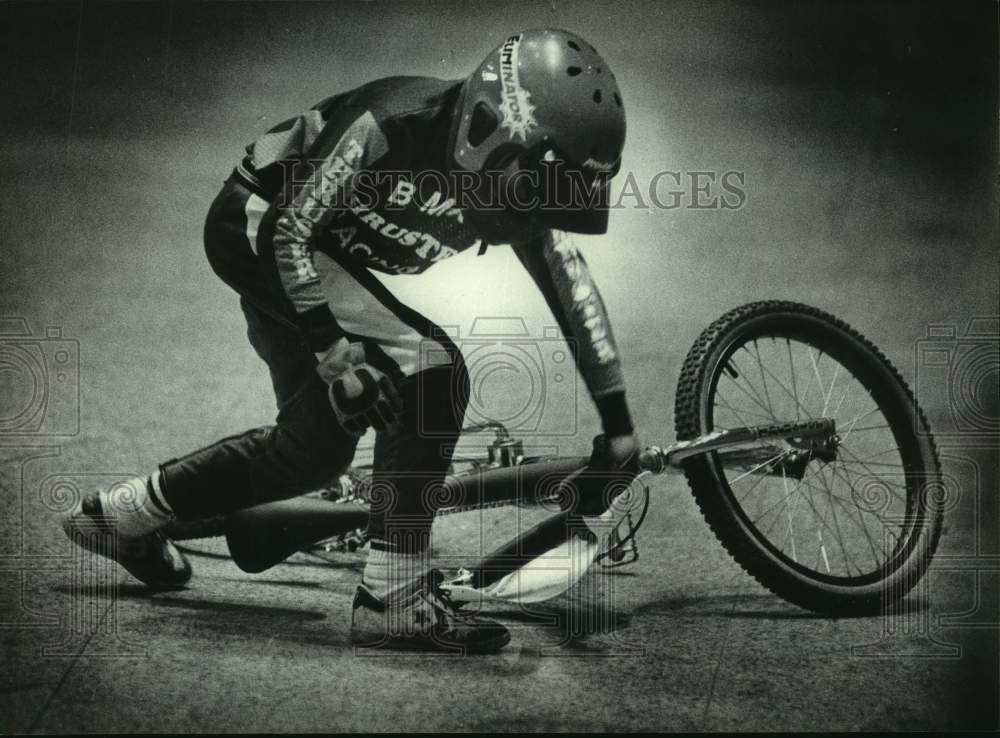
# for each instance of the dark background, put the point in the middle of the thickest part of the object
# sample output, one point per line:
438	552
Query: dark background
867	135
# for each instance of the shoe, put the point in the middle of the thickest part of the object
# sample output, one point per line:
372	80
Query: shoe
422	617
152	558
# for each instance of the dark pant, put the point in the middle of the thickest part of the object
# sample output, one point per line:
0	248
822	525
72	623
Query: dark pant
306	447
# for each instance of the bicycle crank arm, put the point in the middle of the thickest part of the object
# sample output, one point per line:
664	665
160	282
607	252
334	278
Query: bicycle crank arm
742	446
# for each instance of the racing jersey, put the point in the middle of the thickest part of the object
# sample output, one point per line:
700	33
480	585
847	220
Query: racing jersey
355	185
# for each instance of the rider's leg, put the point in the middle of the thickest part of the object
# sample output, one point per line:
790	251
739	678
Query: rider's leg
401	604
411	460
306	447
236	471
303	450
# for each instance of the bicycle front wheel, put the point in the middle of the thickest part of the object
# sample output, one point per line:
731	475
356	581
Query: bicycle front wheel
846	527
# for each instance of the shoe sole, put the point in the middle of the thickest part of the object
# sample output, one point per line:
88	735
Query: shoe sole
381	642
79	528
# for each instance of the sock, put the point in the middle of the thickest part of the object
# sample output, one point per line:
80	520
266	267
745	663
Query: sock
137	504
387	570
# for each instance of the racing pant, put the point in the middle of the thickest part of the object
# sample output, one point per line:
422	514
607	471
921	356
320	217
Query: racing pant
306	447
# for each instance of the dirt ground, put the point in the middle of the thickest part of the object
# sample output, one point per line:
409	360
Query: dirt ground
866	139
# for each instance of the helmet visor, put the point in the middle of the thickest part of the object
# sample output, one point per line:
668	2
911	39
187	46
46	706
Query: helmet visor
557	192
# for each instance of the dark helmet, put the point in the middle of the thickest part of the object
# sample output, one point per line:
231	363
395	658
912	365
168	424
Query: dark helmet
545	101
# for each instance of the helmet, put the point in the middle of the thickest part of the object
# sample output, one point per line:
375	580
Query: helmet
545	102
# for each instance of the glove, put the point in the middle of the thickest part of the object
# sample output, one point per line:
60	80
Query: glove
614	463
360	394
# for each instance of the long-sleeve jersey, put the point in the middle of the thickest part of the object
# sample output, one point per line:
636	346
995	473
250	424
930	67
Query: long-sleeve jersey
356	184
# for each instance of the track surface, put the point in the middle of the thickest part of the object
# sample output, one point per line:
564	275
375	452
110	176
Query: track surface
869	178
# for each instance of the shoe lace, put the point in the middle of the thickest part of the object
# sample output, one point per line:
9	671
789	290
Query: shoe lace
449	614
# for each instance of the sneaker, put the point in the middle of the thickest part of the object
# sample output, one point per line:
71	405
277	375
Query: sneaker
152	558
422	617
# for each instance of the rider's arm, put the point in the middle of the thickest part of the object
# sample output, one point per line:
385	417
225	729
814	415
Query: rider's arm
561	273
316	189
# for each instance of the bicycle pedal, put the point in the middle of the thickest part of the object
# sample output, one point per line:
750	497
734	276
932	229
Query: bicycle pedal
621	552
461	589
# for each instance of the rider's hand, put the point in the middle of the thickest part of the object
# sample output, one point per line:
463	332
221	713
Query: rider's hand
360	394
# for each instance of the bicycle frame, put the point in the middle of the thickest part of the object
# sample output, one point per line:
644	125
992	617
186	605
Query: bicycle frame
263	536
510	476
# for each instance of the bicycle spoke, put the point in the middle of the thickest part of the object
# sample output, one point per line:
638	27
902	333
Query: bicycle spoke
791	367
791	532
812	474
759	466
868	469
754	396
875	463
855	422
823	521
888	484
767	533
752	487
870	427
763	379
794	396
819	532
836	523
884	526
847	509
739	414
840	403
791	497
829	394
875	455
809	501
772	507
815	368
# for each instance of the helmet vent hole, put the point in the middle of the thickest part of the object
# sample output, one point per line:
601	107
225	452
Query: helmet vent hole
618	99
573	45
573	71
597	96
483	123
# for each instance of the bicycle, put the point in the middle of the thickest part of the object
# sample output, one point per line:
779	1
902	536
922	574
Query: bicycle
783	414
